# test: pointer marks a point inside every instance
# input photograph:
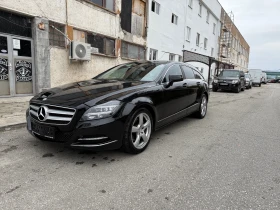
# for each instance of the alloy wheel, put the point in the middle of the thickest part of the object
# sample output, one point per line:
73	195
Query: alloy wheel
141	130
203	106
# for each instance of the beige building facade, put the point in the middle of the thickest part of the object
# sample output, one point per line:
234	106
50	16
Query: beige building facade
115	29
234	49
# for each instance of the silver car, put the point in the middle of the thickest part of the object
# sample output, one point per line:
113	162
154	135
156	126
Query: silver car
249	81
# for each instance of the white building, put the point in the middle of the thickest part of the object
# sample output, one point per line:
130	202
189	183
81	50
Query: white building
192	25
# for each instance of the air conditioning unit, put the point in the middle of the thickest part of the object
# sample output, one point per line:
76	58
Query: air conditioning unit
80	51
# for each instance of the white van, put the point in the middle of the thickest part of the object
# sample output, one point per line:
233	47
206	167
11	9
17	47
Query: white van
256	75
264	78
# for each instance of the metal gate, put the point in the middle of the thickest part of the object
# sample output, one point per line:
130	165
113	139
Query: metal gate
16	66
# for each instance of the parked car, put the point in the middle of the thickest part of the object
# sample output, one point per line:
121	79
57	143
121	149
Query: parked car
119	108
256	76
264	78
230	79
249	81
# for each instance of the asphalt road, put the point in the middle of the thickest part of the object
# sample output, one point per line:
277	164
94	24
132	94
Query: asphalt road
229	160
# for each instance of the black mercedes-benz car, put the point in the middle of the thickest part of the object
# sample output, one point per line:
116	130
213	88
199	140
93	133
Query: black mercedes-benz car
119	108
230	79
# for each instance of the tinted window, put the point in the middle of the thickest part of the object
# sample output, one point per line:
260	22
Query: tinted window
188	72
197	75
229	73
133	72
173	70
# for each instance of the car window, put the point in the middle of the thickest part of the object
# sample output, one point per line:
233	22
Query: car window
197	75
133	72
229	73
188	72
173	70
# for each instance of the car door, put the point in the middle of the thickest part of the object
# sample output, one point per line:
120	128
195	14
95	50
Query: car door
174	96
192	86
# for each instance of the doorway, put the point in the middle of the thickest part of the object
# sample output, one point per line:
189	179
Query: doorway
16	66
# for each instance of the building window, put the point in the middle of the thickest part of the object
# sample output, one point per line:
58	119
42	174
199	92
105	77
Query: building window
200	10
104	44
155	7
189	30
205	43
214	28
207	17
56	36
190	3
174	19
108	4
180	58
212	52
132	51
153	54
171	57
197	39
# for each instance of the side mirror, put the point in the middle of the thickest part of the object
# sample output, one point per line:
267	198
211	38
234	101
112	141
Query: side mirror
174	78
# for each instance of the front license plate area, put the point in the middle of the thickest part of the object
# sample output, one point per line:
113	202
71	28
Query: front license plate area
42	130
224	84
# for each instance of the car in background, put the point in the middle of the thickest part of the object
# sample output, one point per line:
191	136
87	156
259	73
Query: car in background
264	78
119	108
256	75
230	79
249	81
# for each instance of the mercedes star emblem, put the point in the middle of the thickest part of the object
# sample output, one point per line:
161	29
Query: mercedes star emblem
43	113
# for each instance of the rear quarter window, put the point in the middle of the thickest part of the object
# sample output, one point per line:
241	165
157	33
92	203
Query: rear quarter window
197	75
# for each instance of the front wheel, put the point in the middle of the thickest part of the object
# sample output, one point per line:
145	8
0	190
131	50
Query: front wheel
201	113
138	132
260	84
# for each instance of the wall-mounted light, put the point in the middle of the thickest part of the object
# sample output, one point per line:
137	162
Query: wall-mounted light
41	26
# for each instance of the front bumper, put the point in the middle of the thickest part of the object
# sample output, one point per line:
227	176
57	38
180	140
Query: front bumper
229	86
103	134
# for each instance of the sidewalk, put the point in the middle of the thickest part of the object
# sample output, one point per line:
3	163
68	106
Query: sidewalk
12	111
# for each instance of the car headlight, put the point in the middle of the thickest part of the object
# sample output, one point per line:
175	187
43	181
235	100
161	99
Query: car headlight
235	81
216	81
101	111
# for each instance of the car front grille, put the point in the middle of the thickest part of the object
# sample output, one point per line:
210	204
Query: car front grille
54	114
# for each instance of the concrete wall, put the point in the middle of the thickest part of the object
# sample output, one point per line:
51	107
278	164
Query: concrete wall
163	35
54	10
53	66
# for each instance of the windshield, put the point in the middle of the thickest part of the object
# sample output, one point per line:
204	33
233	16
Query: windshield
229	73
247	76
147	72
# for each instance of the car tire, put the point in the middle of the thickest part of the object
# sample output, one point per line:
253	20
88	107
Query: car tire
136	135
202	111
238	89
260	84
215	89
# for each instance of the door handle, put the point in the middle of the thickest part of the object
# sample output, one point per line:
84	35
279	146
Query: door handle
185	85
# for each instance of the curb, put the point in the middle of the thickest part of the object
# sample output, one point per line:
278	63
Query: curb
12	127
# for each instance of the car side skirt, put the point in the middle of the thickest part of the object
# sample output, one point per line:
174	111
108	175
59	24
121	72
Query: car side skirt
179	115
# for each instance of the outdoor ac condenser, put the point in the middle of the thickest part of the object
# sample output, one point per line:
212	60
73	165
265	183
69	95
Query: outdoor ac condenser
80	51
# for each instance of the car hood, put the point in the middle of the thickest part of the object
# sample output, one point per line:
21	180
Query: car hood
90	92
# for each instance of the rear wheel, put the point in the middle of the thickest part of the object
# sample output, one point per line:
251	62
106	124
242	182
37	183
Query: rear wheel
201	113
138	132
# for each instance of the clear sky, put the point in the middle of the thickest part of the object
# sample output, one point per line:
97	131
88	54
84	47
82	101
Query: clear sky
259	23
